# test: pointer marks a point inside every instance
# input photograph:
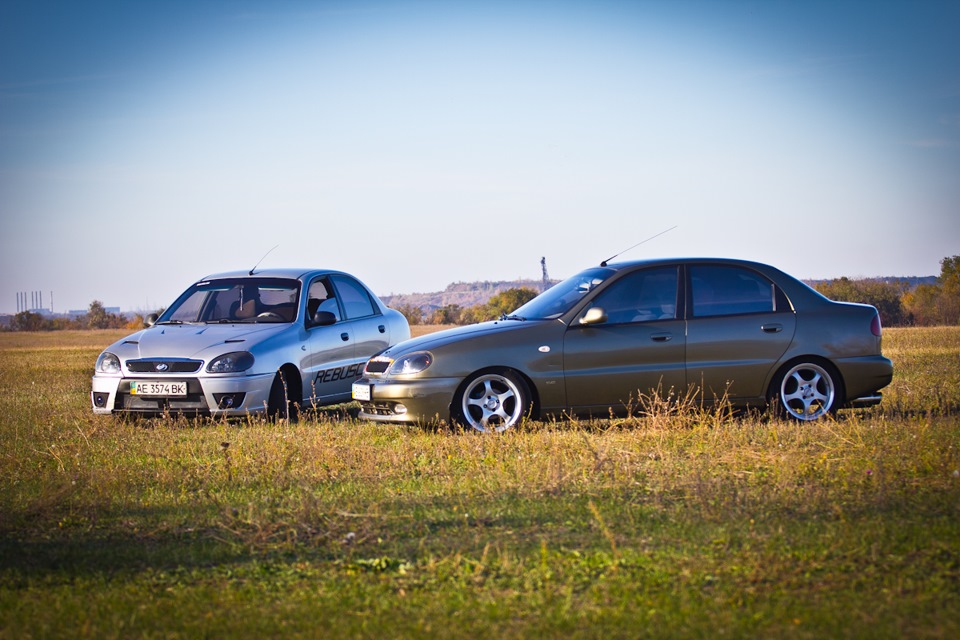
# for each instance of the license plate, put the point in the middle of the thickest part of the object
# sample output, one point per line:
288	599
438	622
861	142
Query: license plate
361	391
157	388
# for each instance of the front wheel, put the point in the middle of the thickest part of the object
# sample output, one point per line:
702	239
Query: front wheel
807	391
280	405
492	401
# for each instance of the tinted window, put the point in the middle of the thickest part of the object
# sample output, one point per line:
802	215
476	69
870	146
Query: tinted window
723	291
356	301
650	294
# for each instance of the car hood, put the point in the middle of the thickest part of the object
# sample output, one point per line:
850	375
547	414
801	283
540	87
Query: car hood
192	340
459	334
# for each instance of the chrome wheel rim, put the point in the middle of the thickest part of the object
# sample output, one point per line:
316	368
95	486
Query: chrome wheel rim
807	392
492	403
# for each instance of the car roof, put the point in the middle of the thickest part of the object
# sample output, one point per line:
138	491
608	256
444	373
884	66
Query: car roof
285	272
688	260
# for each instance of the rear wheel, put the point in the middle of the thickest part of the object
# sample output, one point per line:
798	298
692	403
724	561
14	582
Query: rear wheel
492	401
807	390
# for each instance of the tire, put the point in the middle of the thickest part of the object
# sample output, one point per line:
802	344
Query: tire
807	390
491	401
280	405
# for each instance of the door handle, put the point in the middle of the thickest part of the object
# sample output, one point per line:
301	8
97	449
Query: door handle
382	329
771	328
661	337
344	336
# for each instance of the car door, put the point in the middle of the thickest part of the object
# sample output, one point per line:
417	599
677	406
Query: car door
739	325
369	329
638	350
330	364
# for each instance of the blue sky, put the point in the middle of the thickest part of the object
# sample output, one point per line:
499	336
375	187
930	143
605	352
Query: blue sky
414	144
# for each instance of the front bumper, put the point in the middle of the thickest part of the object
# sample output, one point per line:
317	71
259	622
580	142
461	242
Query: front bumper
214	396
418	401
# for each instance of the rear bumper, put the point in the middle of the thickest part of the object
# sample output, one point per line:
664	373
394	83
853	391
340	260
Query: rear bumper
863	378
865	401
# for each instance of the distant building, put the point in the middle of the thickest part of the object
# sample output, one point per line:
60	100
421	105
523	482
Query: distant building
79	313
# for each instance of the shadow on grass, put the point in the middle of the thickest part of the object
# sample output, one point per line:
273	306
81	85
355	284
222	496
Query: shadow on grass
121	543
86	550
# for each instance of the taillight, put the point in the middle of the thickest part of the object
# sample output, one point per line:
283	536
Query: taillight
875	327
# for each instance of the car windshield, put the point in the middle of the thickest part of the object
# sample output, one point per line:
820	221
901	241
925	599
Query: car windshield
560	298
236	300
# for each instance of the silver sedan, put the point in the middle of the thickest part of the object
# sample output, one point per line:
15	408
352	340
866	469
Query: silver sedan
241	343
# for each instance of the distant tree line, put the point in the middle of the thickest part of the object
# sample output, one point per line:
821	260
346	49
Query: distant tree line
97	317
499	304
899	304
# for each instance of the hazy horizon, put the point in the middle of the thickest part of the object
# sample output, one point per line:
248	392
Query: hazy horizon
146	310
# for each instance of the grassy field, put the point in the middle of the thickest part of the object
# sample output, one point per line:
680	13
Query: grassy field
678	523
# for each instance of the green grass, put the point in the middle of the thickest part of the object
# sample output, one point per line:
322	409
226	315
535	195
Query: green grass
677	523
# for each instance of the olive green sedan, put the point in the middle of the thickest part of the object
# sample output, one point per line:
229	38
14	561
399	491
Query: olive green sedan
607	339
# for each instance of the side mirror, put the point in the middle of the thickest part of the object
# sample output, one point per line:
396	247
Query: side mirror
594	315
150	320
323	319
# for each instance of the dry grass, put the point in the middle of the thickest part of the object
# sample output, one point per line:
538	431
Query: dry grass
675	522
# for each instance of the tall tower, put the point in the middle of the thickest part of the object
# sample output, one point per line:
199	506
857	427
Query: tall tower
546	278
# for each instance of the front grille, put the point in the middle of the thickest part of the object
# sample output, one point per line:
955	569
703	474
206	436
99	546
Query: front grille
189	404
193	403
378	409
162	366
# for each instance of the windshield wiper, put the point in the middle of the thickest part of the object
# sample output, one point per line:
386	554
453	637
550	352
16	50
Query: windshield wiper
512	317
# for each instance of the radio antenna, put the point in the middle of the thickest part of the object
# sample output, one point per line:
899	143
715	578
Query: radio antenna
262	259
604	263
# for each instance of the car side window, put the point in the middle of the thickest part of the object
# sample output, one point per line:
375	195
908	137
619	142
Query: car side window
641	296
723	291
356	301
320	297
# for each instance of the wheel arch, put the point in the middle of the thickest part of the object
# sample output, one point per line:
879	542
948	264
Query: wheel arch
291	376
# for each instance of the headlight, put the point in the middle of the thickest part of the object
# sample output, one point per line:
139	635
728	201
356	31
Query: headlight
412	363
234	362
108	363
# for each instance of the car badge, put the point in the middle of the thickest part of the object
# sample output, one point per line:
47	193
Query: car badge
162	366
